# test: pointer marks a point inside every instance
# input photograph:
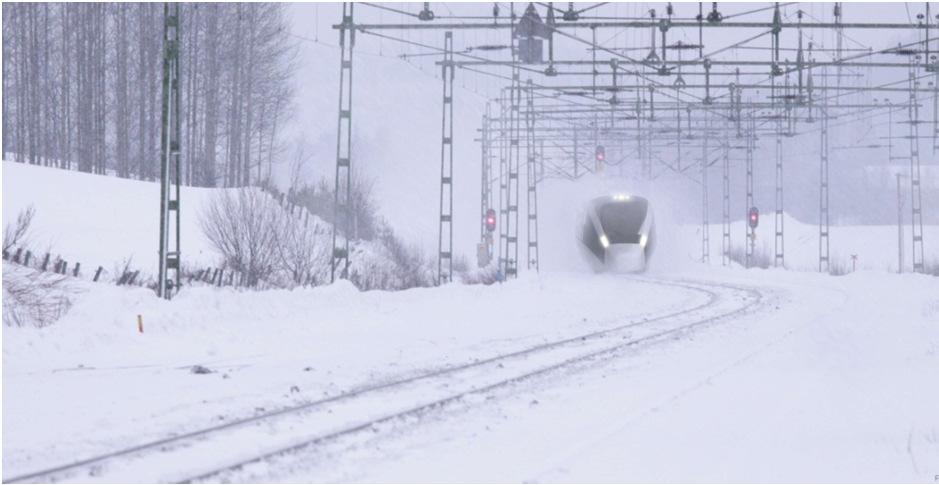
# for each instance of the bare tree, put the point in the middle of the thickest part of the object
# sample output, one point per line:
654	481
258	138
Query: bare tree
304	250
81	87
244	225
17	233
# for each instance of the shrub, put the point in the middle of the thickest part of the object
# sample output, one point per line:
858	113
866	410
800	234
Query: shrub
931	267
304	251
32	297
759	259
245	225
320	201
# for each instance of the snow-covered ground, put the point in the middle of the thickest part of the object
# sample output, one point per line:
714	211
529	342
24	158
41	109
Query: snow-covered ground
804	377
99	220
831	376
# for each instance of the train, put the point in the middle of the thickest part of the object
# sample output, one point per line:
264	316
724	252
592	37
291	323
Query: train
617	233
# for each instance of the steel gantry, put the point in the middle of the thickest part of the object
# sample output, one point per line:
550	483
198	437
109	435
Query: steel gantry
649	113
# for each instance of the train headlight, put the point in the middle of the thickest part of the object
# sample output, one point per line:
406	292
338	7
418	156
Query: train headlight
620	197
604	241
643	239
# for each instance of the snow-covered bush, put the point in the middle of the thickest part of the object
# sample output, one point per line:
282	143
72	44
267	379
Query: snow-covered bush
759	259
32	297
932	267
320	200
245	226
480	276
304	251
373	266
411	263
837	266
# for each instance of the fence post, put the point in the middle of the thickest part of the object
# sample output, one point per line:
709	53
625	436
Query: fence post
16	256
221	276
98	273
29	255
45	262
76	270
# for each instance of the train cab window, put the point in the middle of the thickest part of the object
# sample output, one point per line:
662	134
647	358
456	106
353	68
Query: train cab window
622	221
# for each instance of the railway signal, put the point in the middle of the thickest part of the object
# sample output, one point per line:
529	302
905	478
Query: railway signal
601	153
490	220
754	217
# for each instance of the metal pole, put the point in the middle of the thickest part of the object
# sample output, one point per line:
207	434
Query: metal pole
824	263
899	225
170	173
445	232
532	202
751	232
705	224
342	221
916	194
725	203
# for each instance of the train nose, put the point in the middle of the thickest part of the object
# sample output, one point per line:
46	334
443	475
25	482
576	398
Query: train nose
626	258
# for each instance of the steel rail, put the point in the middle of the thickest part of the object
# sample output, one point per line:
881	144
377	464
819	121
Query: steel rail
54	473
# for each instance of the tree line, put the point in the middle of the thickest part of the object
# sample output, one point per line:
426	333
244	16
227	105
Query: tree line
82	88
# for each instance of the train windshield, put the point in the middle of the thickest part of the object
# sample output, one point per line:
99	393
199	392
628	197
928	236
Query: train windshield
622	220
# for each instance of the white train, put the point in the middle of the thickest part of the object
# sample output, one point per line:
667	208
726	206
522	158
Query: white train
617	233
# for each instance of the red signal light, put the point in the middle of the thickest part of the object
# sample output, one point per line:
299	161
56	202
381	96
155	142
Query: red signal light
601	153
754	216
490	220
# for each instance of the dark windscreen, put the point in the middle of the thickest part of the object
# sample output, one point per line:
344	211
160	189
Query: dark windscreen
621	221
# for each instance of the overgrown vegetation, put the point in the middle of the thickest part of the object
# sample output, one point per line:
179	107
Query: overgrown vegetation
759	259
32	297
290	245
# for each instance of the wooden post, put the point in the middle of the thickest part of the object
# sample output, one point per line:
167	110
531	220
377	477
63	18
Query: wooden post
98	273
45	262
26	259
140	323
76	270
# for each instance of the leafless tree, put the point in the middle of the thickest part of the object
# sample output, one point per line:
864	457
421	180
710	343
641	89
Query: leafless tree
17	233
304	249
245	225
81	87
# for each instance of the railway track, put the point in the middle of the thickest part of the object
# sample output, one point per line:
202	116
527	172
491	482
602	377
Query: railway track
235	444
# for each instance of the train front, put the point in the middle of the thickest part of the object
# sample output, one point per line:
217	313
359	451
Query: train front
617	233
